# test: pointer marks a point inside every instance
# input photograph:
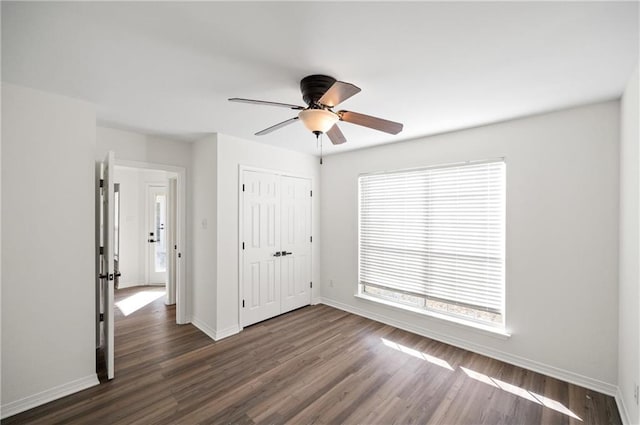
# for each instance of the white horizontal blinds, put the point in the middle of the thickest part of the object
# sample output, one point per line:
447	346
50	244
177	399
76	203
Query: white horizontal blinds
436	233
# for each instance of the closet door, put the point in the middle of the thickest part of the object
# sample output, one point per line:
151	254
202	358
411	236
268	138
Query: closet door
261	254
295	242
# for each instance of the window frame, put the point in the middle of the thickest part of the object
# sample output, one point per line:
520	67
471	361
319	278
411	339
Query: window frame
498	329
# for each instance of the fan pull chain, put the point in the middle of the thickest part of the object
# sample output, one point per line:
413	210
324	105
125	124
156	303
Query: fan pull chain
321	139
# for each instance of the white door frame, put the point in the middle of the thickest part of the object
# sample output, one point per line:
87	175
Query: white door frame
182	307
241	169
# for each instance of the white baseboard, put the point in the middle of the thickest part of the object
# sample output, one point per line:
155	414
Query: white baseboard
212	333
18	406
123	285
564	375
622	408
317	300
224	333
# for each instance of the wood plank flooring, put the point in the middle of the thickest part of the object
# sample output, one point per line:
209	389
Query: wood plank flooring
316	365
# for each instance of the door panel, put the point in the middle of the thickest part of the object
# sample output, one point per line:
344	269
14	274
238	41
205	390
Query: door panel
98	254
108	228
296	234
261	236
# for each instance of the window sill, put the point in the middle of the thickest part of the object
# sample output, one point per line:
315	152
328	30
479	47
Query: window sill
478	327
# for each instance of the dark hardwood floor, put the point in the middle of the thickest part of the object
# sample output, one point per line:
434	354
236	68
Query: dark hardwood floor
313	365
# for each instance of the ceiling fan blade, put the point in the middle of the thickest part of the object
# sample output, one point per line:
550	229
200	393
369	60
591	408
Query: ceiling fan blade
335	135
265	102
277	126
379	124
337	93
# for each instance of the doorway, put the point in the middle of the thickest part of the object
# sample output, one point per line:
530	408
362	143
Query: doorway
174	180
124	213
148	228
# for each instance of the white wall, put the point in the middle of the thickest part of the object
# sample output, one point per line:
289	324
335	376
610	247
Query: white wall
561	240
141	147
134	221
204	213
232	153
629	316
48	345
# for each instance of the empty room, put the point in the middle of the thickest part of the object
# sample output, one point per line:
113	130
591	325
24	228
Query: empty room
320	212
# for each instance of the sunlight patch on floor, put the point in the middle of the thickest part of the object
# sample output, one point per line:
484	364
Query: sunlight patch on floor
520	392
136	301
418	354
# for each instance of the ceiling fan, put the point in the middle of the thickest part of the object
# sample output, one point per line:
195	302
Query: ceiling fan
322	93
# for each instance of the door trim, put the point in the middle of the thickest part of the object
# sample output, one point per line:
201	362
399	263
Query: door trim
183	313
241	169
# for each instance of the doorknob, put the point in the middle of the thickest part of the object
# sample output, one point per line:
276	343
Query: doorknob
286	253
277	254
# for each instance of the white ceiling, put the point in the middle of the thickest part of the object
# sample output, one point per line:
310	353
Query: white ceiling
168	67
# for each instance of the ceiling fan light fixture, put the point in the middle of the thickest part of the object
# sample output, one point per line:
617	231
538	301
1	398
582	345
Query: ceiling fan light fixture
318	120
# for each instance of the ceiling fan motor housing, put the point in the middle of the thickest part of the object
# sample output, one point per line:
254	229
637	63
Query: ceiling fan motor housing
313	87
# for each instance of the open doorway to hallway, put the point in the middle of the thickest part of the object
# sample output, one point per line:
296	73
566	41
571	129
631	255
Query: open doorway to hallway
140	230
146	229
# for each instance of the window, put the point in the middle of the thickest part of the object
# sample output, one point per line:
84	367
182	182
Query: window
433	239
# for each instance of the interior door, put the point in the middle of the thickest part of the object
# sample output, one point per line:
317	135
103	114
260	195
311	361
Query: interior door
157	235
108	272
295	242
261	253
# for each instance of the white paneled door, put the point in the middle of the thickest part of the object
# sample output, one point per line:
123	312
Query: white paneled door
261	243
107	272
276	244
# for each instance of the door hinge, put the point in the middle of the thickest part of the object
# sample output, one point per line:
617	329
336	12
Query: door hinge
101	182
243	187
179	255
310	238
243	245
102	317
242	303
101	250
310	284
311	193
